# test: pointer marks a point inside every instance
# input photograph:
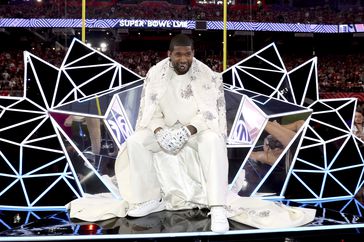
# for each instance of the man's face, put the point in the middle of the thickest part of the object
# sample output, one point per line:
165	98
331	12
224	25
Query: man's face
181	58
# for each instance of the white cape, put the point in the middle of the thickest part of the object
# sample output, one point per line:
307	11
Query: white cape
183	188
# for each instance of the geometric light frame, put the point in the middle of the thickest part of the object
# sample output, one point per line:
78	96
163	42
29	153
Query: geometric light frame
262	78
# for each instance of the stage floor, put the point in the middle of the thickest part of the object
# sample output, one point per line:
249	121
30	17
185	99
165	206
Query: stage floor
330	224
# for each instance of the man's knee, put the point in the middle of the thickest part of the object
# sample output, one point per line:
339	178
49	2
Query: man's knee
211	137
132	139
138	137
143	138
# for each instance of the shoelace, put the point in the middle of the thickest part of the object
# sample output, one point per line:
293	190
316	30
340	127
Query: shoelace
143	204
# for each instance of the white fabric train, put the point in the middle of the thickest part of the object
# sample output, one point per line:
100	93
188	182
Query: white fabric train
183	188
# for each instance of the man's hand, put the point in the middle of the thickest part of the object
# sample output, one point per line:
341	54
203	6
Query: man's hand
164	137
172	140
179	138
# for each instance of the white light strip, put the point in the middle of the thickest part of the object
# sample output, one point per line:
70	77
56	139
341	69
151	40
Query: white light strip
307	83
236	77
25	192
46	105
35	104
257	79
116	73
9	186
309	164
59	129
41	139
331	126
9	164
4	224
45	191
35	129
340	184
9	175
42	148
24	110
294	173
63	67
111	65
278	70
346	167
55	92
251	56
66	180
51	175
22	123
95	77
75	89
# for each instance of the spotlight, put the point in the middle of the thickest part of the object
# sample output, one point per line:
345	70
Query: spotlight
259	5
103	46
88	229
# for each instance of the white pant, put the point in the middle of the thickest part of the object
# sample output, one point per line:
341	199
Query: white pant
140	181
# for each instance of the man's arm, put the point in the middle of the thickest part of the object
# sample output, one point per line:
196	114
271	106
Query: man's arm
157	121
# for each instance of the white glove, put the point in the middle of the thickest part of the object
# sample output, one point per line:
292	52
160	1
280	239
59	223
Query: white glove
164	137
179	138
173	140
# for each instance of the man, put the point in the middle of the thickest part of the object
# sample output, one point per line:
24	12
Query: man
182	105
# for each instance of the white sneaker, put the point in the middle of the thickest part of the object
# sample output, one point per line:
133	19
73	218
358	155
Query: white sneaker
145	208
219	221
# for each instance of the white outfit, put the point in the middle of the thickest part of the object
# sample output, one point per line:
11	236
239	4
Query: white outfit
197	175
176	107
205	85
140	179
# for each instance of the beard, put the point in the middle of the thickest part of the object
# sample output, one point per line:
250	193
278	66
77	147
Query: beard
181	68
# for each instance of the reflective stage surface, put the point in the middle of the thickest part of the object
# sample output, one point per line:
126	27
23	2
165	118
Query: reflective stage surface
335	221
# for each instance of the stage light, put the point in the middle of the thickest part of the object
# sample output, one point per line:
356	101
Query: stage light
89	229
259	5
103	46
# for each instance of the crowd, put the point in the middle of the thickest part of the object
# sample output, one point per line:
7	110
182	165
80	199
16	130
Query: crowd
12	68
324	14
336	73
